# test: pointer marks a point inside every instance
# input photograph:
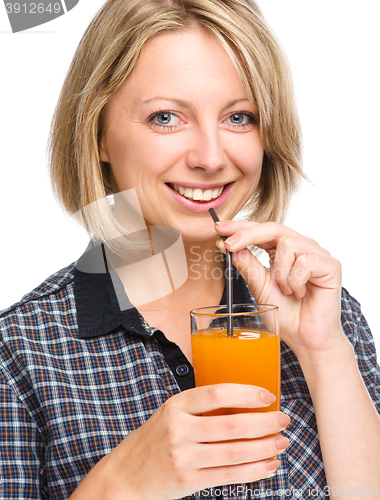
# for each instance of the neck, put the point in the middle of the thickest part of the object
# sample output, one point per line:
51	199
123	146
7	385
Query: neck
205	280
205	263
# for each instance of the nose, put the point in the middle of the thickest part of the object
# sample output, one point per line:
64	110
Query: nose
207	151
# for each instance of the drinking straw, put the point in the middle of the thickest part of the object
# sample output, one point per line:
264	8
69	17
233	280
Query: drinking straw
229	270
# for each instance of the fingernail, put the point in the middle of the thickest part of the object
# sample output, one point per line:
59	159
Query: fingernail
267	397
284	419
281	443
220	244
221	223
286	290
273	464
232	240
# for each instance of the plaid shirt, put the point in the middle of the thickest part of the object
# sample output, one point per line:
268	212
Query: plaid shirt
77	375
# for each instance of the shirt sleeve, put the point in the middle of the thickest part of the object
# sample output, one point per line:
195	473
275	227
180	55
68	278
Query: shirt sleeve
21	449
358	332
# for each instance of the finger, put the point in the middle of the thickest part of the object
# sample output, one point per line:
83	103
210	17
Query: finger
211	397
319	270
288	250
283	245
282	261
240	452
238	426
245	234
228	227
237	474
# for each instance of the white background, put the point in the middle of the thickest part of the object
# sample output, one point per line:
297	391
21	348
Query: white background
333	49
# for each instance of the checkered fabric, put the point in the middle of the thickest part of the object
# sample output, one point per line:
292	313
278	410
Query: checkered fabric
68	397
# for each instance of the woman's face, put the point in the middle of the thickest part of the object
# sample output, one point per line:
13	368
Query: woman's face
181	130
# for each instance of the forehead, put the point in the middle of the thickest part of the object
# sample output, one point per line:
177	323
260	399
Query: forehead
185	63
185	47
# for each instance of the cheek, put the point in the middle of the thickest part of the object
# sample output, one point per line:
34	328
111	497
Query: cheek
248	154
139	159
148	151
162	149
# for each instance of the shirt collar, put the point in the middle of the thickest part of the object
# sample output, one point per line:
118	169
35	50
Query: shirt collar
98	305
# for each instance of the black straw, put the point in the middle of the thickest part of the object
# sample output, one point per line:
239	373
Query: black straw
229	276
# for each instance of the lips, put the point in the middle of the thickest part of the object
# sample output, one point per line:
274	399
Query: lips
197	191
198	194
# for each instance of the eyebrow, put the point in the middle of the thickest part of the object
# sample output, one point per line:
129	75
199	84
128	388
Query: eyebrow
190	105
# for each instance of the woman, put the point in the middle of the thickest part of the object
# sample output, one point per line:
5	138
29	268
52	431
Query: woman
165	97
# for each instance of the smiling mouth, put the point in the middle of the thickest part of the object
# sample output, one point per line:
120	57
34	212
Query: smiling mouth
198	194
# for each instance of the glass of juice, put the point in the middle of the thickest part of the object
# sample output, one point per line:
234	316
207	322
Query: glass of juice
251	355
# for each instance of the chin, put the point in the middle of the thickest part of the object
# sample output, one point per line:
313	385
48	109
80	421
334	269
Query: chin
197	236
198	227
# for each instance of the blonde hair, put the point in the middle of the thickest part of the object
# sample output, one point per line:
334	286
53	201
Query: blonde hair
105	58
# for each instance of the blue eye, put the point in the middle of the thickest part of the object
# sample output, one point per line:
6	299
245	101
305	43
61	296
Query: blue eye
242	119
237	118
164	118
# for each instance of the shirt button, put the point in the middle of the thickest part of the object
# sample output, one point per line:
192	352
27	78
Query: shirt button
182	370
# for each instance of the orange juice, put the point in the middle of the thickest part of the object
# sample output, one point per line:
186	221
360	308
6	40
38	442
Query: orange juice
246	357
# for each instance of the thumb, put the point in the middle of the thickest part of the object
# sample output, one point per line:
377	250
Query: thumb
250	268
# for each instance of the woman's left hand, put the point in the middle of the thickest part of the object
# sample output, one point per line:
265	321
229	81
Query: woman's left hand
304	281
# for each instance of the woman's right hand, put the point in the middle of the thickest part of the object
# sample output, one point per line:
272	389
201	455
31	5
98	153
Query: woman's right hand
179	451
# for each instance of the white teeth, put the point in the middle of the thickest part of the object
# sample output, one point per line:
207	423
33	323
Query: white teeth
207	195
197	194
188	193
